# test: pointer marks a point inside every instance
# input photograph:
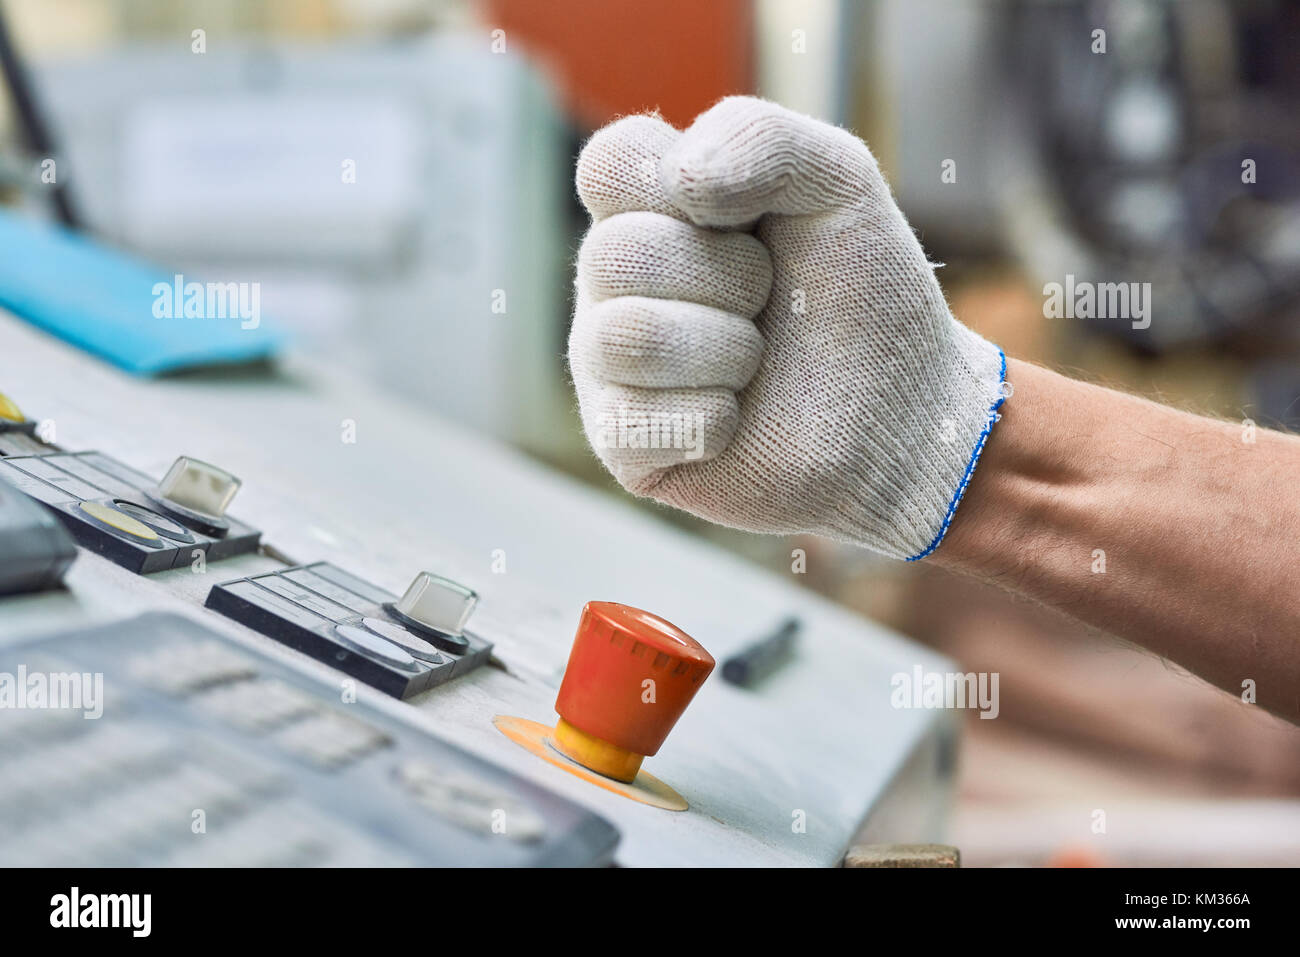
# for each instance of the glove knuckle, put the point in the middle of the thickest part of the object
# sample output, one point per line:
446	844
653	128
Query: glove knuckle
647	254
663	344
618	168
641	430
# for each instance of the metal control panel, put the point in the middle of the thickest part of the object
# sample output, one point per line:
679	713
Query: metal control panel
497	557
352	625
115	511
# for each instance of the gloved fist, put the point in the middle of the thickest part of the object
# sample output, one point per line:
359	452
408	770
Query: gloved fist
759	339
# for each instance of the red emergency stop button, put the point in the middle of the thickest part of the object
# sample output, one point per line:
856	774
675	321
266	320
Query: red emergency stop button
630	676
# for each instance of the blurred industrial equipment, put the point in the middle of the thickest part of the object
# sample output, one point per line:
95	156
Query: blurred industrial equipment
396	202
1143	141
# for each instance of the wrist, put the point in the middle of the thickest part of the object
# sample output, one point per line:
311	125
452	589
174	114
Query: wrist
1167	529
1018	501
965	381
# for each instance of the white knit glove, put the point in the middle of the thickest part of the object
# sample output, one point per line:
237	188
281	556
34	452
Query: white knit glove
758	338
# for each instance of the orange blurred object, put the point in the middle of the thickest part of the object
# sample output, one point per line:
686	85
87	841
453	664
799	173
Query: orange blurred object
629	678
613	58
1076	857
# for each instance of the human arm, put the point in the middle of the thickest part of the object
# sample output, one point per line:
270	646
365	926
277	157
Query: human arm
1173	531
759	339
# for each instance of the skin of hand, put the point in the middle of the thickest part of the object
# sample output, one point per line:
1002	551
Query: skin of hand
1176	532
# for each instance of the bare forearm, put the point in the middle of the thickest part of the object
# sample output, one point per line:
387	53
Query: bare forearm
1170	530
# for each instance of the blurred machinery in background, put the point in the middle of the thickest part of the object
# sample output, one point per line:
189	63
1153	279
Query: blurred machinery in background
1162	149
397	202
404	202
610	59
441	268
679	57
1174	156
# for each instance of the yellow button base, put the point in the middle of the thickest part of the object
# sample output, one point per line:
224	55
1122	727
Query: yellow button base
600	756
10	411
119	520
